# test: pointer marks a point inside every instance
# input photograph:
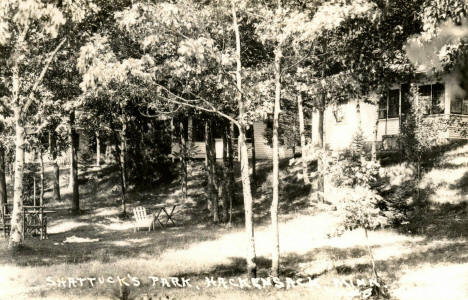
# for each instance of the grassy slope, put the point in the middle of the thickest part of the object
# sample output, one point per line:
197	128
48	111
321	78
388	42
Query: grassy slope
425	260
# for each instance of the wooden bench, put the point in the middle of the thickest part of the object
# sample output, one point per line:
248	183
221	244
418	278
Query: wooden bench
142	219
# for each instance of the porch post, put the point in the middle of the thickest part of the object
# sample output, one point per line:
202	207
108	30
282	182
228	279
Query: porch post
399	110
386	114
447	103
447	99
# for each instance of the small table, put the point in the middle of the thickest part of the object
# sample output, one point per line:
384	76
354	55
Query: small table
162	208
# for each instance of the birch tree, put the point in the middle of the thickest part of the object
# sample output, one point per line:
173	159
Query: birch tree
30	30
291	27
23	25
192	72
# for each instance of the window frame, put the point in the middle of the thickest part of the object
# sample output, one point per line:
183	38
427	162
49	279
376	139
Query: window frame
198	130
384	111
462	100
431	105
397	104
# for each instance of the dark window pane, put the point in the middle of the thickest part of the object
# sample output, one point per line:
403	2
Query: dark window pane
394	103
382	114
456	105
425	97
177	129
383	102
465	107
425	90
198	130
405	98
249	132
218	128
383	107
438	98
236	132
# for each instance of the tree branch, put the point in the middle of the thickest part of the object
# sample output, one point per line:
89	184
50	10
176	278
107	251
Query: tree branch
41	76
158	111
183	101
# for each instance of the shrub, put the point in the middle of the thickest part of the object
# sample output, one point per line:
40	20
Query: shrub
359	199
359	208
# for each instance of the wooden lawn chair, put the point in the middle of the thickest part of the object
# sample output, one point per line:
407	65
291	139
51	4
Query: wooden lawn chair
142	219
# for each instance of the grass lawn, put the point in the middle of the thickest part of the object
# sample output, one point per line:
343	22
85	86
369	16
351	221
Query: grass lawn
426	259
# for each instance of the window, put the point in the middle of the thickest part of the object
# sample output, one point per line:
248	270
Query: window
177	128
389	105
459	105
405	98
433	95
383	108
394	103
217	129
198	130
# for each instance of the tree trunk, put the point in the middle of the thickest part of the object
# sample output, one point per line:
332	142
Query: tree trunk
300	111
231	179
53	156
321	144
206	144
17	225
34	188
183	152
254	158
294	133
123	161
247	193
41	192
75	207
3	186
369	250
275	180
376	128
244	158
209	201
225	183
70	178
12	173
98	149
311	126
212	180
358	113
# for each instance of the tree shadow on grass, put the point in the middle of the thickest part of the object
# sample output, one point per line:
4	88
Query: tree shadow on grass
353	261
293	193
461	185
434	219
104	245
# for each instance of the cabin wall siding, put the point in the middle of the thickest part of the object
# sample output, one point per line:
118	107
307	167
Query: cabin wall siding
262	149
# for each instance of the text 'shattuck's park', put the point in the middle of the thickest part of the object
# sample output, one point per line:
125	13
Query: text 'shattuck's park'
234	149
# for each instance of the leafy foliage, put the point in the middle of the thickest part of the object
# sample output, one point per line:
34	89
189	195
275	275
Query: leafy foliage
359	185
421	133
